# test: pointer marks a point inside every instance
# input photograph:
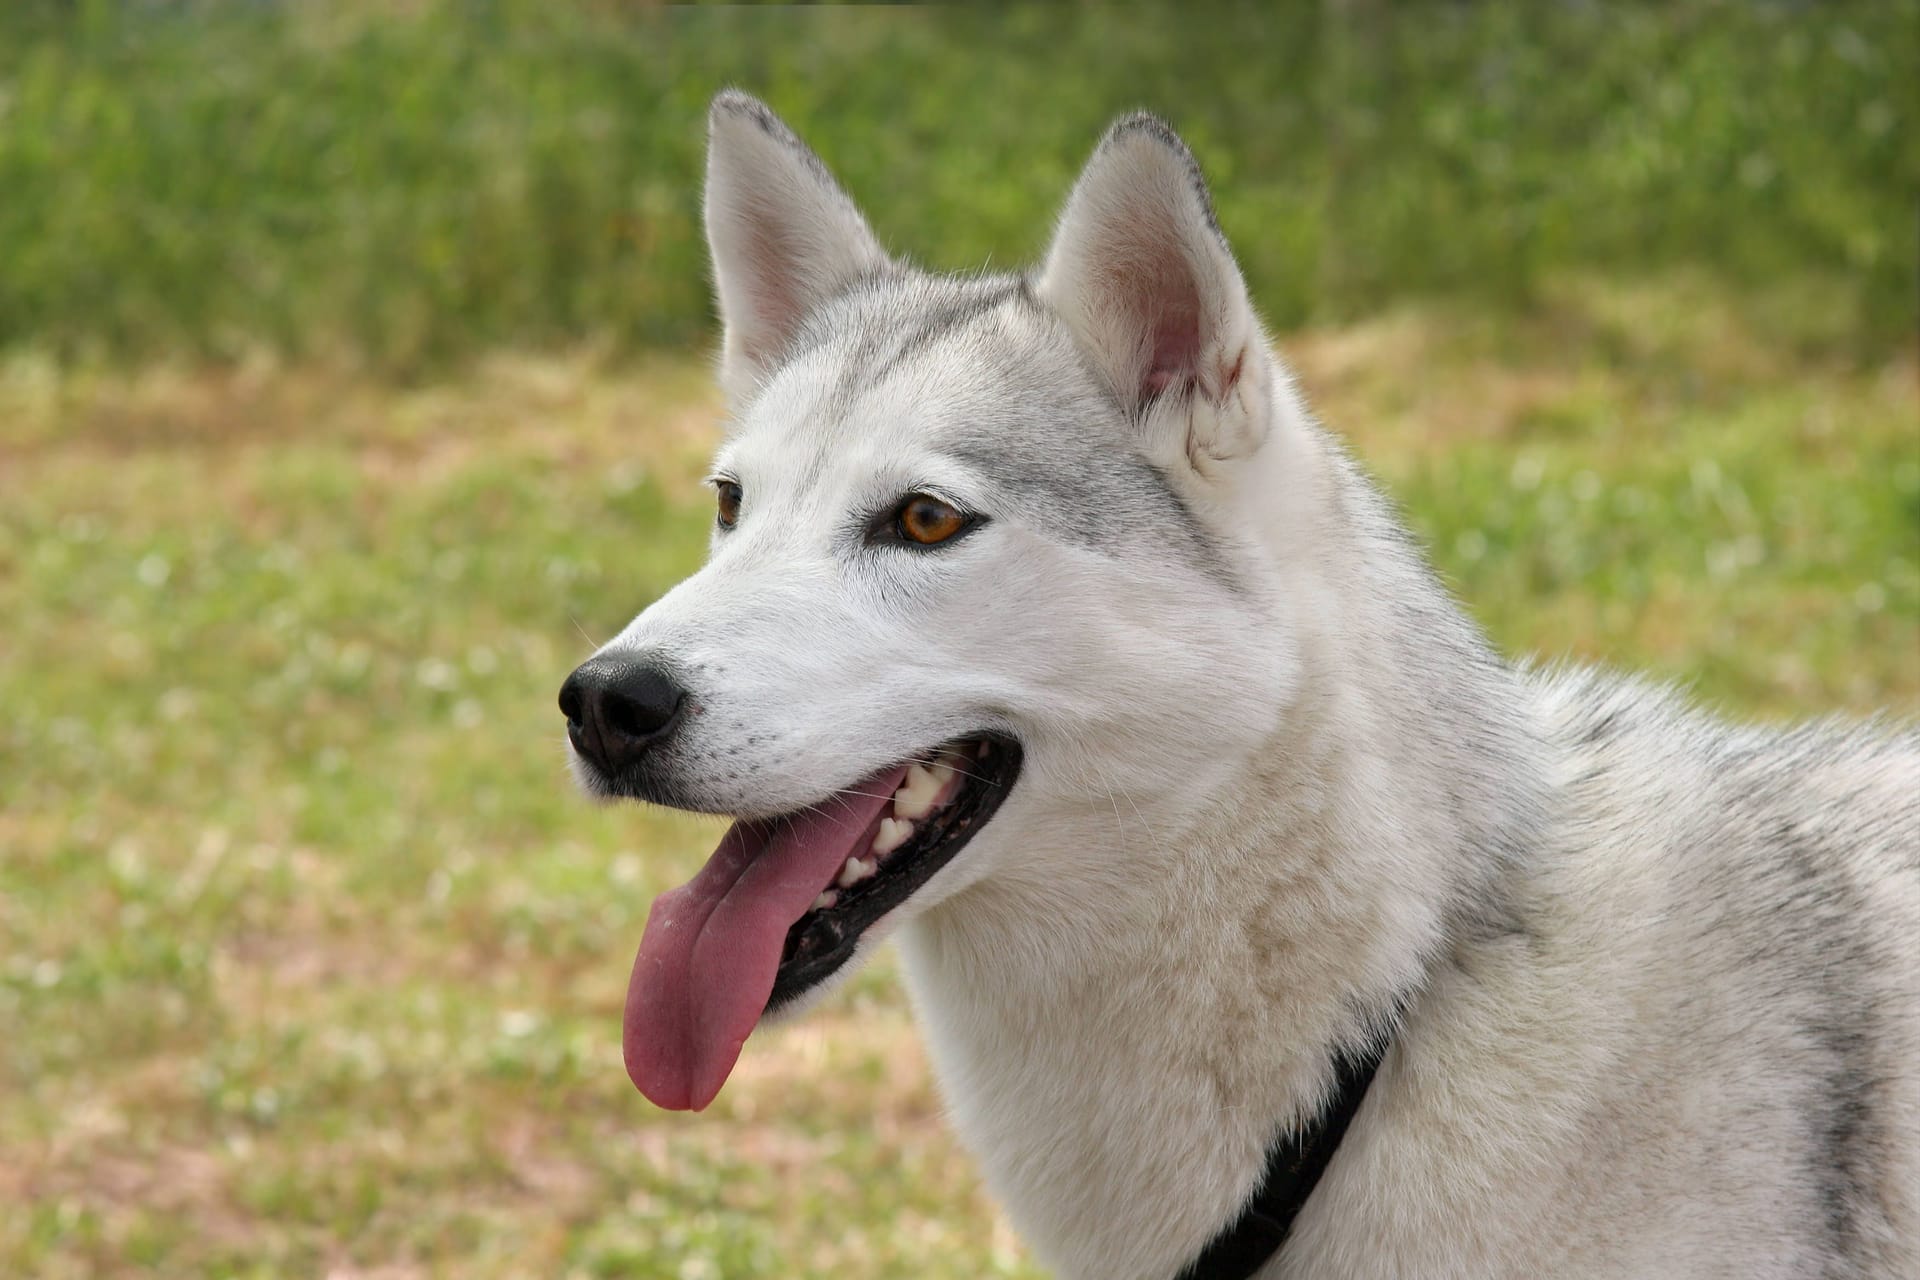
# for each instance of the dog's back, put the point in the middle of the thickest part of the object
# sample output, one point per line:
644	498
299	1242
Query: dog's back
1689	1044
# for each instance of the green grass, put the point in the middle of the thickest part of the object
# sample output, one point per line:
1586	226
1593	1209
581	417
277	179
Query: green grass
408	185
310	957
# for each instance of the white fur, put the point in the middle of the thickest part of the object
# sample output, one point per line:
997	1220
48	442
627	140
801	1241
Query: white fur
1273	786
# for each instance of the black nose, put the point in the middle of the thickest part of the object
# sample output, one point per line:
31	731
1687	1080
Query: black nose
617	709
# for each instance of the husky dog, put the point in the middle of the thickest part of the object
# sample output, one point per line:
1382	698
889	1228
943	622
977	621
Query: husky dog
1045	632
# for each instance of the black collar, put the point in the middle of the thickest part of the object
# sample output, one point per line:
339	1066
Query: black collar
1295	1162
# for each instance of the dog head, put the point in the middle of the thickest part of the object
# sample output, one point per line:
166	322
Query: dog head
982	548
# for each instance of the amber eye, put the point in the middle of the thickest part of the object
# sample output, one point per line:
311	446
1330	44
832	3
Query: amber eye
729	496
927	520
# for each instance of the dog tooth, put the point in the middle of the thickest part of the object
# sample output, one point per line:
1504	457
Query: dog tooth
854	872
943	770
915	797
826	900
893	833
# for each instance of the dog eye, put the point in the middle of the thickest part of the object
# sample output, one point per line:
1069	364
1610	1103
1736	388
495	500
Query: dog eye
926	520
729	497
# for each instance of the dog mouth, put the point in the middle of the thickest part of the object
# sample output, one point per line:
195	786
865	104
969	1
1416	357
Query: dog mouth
783	903
938	806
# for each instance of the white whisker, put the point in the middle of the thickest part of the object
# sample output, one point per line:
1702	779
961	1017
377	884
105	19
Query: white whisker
591	642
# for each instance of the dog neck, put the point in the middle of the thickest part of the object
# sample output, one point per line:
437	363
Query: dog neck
1122	1029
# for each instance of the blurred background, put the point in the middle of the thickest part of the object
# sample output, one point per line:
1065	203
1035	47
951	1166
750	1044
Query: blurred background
353	383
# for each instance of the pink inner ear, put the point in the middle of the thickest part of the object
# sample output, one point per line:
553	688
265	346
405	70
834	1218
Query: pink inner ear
770	258
1174	360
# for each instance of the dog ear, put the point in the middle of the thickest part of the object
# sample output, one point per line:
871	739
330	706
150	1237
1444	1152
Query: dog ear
784	237
1141	273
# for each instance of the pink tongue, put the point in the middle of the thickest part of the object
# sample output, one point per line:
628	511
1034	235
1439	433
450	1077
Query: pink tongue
707	960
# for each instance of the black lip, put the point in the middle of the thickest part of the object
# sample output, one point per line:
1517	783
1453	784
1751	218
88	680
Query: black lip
821	941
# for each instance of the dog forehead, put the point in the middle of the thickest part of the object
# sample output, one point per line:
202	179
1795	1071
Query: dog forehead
903	366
